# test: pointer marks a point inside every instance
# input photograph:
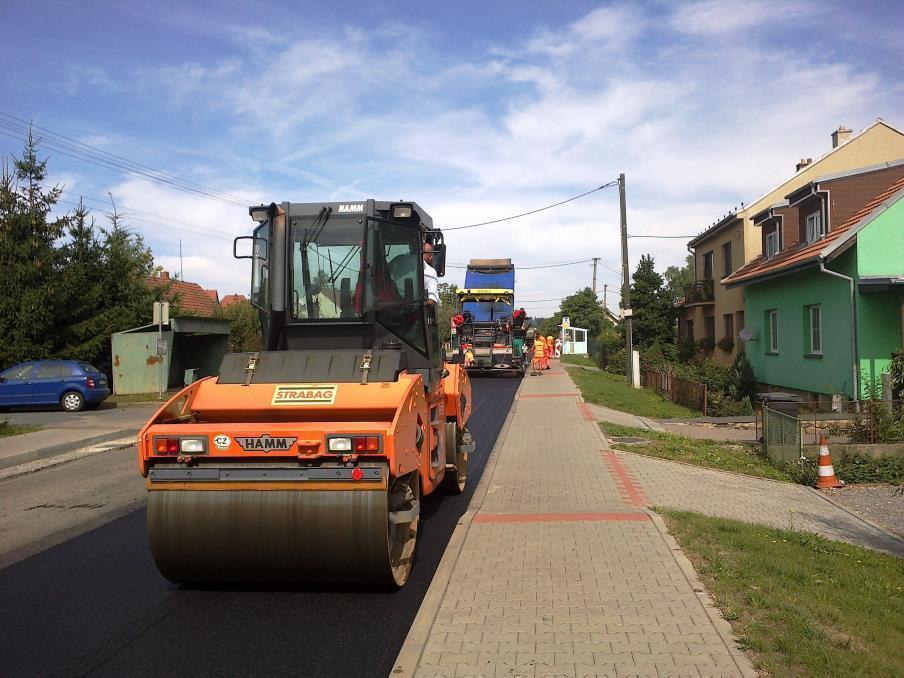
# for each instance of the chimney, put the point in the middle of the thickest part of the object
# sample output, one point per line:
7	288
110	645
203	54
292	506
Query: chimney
164	275
840	136
803	163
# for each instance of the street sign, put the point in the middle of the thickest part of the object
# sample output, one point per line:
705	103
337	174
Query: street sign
162	348
161	312
566	323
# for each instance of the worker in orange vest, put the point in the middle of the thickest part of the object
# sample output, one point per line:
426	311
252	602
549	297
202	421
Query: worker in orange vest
549	350
539	352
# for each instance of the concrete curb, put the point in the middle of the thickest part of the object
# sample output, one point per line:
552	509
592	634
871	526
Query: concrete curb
63	448
409	656
723	628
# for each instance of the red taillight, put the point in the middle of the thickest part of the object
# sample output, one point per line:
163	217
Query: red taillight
357	473
366	443
90	382
166	445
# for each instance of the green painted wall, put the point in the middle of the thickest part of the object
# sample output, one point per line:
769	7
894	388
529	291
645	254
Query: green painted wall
880	245
789	368
880	252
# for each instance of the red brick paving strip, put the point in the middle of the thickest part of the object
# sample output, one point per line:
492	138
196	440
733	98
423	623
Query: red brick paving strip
630	491
557	517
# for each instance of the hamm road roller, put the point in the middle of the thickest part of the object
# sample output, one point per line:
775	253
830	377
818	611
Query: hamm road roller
307	461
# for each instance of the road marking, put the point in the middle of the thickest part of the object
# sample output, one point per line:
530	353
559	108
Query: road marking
41	464
559	517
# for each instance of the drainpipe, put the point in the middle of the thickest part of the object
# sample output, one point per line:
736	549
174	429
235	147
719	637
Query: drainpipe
855	372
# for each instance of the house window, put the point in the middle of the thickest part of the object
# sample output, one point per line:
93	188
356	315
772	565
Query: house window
710	327
726	259
708	266
728	323
689	329
814	315
771	244
772	326
815	227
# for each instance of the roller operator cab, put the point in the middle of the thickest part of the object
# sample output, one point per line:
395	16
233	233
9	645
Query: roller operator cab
307	461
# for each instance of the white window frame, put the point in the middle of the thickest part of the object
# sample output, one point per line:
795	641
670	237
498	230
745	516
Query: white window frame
815	226
772	239
773	330
815	317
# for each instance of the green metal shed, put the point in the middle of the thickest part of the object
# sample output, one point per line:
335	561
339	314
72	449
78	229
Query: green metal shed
191	343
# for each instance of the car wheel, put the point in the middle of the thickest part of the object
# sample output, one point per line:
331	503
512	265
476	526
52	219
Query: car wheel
72	401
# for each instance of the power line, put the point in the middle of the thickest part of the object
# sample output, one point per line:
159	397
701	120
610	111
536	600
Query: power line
540	209
16	127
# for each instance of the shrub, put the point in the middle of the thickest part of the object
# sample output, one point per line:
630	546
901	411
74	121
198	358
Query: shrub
741	380
707	344
687	349
618	362
726	344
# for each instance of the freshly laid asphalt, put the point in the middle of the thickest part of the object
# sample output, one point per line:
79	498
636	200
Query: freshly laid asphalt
96	605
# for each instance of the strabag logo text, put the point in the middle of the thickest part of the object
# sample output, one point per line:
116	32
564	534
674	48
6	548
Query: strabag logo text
304	394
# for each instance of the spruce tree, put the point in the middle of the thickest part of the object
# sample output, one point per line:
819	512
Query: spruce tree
30	261
653	310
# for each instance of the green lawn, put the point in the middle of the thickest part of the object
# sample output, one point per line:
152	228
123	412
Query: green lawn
578	360
612	390
725	456
7	429
801	605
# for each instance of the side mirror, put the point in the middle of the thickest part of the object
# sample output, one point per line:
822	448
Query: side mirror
439	259
247	246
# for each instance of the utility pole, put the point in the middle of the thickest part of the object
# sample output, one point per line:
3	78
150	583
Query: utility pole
605	293
595	259
626	285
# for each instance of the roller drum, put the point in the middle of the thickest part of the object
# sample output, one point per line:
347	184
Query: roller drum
291	536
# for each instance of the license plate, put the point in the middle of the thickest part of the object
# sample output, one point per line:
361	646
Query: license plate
481	351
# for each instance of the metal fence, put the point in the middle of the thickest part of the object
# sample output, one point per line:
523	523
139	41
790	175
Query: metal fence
685	392
861	421
782	439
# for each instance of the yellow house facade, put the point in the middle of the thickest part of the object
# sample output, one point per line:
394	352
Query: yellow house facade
713	315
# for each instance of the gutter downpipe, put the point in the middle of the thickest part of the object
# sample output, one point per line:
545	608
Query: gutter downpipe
855	372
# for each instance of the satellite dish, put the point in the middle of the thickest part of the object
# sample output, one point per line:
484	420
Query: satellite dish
745	334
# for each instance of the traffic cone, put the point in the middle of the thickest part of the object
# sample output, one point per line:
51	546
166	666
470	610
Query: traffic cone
825	473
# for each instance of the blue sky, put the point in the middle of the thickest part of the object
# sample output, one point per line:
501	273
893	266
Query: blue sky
475	110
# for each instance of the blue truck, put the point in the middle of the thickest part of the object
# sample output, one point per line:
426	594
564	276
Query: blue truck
491	337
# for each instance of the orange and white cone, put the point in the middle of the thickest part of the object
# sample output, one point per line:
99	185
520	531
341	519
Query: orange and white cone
825	473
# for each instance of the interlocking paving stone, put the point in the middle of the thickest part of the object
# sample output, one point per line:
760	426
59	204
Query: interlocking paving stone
533	593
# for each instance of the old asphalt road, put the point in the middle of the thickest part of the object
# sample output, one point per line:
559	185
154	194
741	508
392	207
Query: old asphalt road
95	605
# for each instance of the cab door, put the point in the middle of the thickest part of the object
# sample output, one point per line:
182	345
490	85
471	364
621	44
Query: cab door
16	385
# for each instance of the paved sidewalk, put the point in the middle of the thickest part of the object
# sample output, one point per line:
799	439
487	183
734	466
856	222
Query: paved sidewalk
557	569
753	500
63	432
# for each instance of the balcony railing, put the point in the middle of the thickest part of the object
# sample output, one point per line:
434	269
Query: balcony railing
699	292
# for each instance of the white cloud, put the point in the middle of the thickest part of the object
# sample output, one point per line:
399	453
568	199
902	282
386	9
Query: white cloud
714	17
698	125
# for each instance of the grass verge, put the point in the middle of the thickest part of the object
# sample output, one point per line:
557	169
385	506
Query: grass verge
801	605
578	360
737	457
612	390
7	429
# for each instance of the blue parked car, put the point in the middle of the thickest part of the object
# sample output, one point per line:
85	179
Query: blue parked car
71	384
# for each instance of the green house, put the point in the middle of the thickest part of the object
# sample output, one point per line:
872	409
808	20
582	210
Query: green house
823	304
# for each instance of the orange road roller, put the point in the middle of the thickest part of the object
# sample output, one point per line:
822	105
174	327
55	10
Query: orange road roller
307	461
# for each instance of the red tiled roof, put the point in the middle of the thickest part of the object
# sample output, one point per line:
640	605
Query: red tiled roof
192	298
231	299
806	253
